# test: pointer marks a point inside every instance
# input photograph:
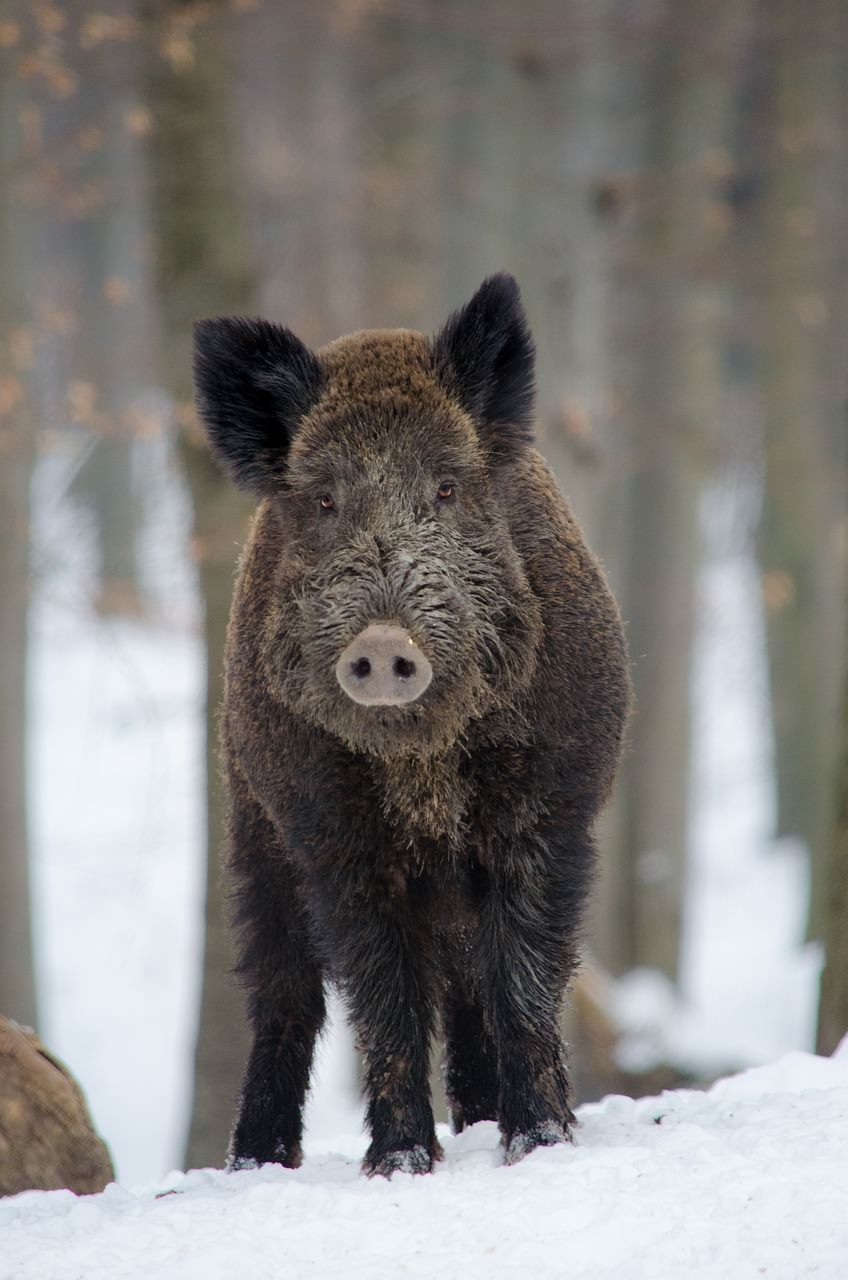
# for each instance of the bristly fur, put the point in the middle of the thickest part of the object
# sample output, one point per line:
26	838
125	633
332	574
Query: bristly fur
485	355
255	381
430	860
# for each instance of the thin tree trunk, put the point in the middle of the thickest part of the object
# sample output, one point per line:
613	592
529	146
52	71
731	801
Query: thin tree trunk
17	979
583	82
833	1005
112	344
676	310
220	525
201	267
800	287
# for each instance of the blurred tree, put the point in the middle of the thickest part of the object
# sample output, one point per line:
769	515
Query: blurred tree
800	285
594	310
408	71
674	299
17	451
298	109
569	100
110	350
202	268
833	1006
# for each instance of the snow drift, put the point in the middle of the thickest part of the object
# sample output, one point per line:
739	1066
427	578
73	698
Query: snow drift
743	1181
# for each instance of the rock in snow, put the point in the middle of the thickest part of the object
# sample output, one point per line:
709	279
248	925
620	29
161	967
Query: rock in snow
745	1181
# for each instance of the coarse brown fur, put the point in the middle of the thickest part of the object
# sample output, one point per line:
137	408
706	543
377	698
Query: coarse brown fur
431	859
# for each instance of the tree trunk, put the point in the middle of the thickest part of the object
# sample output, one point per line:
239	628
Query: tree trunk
675	328
800	287
17	979
833	1005
17	449
220	524
112	345
202	269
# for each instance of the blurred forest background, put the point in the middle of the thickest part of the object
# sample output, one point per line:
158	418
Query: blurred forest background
669	181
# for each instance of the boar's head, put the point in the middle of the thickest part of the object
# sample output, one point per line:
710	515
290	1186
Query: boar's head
396	607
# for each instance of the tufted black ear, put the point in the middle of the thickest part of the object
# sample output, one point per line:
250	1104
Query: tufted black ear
485	357
254	380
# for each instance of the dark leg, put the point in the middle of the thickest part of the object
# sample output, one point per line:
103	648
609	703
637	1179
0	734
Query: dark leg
270	1119
471	1069
286	996
392	1013
528	927
382	971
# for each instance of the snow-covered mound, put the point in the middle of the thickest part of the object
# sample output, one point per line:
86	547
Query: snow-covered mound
747	1180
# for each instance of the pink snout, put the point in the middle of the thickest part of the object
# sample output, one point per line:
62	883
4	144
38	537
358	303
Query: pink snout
383	667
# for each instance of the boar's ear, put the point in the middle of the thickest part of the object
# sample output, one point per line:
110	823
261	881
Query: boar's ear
254	380
484	356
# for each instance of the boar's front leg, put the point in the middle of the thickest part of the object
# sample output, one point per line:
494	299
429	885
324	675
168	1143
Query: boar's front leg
381	969
284	983
529	920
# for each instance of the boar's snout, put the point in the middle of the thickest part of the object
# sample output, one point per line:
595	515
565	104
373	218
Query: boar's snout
383	667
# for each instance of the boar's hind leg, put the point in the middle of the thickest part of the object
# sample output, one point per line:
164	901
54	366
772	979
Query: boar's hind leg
528	931
471	1075
285	995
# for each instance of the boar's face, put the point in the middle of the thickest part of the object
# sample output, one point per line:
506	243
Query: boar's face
397	610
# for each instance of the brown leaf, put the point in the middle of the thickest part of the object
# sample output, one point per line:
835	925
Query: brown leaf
50	18
11	393
139	122
10	34
178	48
117	290
778	590
100	27
56	318
81	397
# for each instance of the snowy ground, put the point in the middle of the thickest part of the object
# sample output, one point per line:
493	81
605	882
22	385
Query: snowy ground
745	1181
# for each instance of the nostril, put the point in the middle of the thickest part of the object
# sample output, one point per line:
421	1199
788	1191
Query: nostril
361	668
403	668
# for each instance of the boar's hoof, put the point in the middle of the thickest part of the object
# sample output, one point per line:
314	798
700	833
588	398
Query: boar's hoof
383	667
549	1133
412	1160
290	1157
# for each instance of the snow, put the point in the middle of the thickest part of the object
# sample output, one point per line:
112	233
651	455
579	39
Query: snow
743	1181
116	772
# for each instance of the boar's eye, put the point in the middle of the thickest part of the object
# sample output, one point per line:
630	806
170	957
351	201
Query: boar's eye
446	491
327	501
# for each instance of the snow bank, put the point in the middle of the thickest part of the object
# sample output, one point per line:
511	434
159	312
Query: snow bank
744	1181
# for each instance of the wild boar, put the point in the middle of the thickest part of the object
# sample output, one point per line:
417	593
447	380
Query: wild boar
426	691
